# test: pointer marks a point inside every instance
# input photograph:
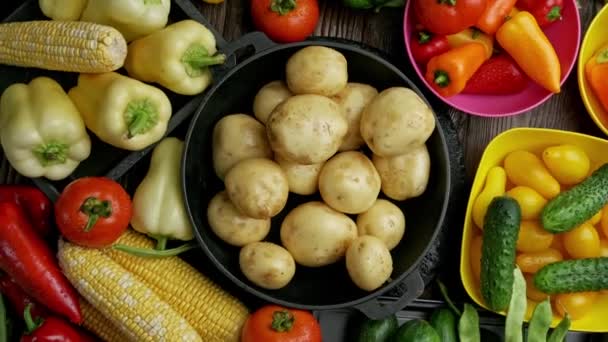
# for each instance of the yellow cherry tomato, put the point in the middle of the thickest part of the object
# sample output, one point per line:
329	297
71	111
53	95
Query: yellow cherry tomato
582	242
604	248
531	291
569	164
558	244
577	304
525	168
534	261
533	237
596	218
476	256
529	200
604	221
496	182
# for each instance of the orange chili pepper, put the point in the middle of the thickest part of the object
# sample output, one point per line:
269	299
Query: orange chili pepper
523	39
495	15
472	35
596	72
449	72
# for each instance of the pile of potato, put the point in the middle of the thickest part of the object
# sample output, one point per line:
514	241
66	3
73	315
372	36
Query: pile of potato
309	135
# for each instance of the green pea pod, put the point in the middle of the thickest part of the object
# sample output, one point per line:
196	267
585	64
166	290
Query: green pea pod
517	308
540	322
468	325
561	330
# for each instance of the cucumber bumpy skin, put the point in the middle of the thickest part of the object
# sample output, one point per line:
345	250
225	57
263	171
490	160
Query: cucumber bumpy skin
498	252
573	207
576	275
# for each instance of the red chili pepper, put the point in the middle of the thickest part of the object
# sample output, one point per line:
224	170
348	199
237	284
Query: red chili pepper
34	202
426	45
499	75
18	298
30	262
545	12
51	329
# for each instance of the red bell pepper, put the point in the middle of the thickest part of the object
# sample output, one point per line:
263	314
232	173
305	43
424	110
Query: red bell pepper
499	75
426	45
545	12
34	202
18	298
30	262
51	329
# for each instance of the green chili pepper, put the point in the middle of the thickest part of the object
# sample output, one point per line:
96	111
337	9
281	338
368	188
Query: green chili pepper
561	330
517	308
540	322
468	325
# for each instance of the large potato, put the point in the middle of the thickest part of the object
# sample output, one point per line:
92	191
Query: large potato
234	228
404	176
395	121
383	220
267	265
317	70
353	99
306	129
302	179
268	97
316	235
349	182
257	187
237	137
369	262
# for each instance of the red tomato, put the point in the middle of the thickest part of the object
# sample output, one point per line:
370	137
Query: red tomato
285	21
446	17
273	323
93	211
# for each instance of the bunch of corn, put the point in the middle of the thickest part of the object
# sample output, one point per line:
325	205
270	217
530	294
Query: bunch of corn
72	46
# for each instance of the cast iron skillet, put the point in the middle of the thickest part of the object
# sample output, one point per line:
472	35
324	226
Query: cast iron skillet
327	287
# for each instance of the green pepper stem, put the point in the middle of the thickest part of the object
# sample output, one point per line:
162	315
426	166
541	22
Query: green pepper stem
282	6
94	209
152	253
141	115
161	243
51	153
442	79
196	59
282	321
424	37
30	323
602	57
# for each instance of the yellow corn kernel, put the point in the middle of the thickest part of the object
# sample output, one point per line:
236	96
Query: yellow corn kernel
98	324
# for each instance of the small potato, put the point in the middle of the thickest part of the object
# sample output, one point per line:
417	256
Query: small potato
349	182
317	70
383	220
268	97
353	99
395	121
237	137
316	235
267	265
404	176
302	179
257	187
369	262
231	226
306	129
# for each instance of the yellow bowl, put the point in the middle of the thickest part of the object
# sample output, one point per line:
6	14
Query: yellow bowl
534	140
595	38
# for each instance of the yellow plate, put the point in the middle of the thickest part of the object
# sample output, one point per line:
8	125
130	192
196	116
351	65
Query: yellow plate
533	140
595	38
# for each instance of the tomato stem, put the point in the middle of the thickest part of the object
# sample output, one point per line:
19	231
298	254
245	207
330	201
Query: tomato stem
447	2
555	13
424	37
94	209
31	324
282	6
442	79
282	321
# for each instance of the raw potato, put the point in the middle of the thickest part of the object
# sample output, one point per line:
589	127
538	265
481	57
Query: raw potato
267	265
302	179
317	70
369	262
404	176
231	226
349	182
316	235
268	97
383	220
353	99
395	121
237	137
257	187
306	129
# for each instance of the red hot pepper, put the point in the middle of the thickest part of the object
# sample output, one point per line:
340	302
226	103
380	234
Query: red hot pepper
37	206
426	45
499	75
51	329
545	12
18	298
30	262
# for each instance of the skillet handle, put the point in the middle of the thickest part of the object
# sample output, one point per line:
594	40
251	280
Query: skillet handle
240	49
414	286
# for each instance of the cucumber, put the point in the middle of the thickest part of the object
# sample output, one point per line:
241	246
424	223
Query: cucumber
573	207
416	330
377	330
444	322
500	234
575	275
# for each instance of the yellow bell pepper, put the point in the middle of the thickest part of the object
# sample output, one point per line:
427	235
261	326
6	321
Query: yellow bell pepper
62	9
122	111
176	57
133	18
41	131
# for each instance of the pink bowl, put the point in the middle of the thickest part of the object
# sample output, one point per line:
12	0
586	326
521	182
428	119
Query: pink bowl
565	37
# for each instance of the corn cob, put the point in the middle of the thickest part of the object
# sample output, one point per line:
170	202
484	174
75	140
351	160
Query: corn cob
98	324
128	303
72	46
215	314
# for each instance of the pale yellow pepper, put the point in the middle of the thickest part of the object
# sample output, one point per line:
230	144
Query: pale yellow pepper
62	9
496	183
